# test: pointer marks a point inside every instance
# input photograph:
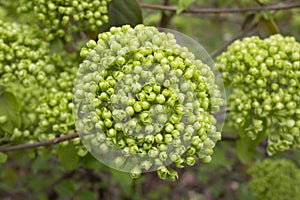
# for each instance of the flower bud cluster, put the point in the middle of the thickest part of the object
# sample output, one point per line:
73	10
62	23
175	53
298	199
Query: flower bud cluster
55	112
41	82
23	60
264	75
145	101
60	18
22	54
275	179
55	107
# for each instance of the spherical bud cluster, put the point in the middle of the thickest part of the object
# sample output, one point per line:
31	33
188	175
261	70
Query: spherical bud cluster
264	75
22	54
145	102
275	179
60	18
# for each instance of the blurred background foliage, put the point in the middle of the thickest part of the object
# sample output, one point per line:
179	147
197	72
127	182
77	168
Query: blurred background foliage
39	174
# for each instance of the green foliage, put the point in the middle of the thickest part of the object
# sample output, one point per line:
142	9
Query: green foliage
183	4
65	188
9	112
122	12
245	147
275	179
265	98
85	194
3	157
68	156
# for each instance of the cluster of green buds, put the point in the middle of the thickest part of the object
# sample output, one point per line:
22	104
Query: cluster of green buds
144	102
264	75
40	82
55	112
275	179
54	108
23	60
22	54
60	18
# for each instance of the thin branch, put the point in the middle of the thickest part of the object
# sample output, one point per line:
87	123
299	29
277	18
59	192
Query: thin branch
60	139
229	138
240	35
221	10
42	143
165	18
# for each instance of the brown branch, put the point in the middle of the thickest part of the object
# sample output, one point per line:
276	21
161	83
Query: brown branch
165	18
61	139
240	35
221	10
230	138
39	144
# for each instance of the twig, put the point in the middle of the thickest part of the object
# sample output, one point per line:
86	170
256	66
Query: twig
165	18
42	143
229	138
221	10
240	35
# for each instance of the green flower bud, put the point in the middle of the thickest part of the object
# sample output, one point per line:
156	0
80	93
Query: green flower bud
163	172
3	119
135	173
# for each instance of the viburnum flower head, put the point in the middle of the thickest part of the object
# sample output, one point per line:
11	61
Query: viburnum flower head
264	102
143	101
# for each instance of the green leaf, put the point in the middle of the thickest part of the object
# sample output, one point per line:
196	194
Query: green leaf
65	188
90	162
159	192
3	157
220	159
267	27
244	150
40	163
9	175
123	12
10	111
248	21
85	194
266	14
124	181
36	184
68	156
183	4
246	147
